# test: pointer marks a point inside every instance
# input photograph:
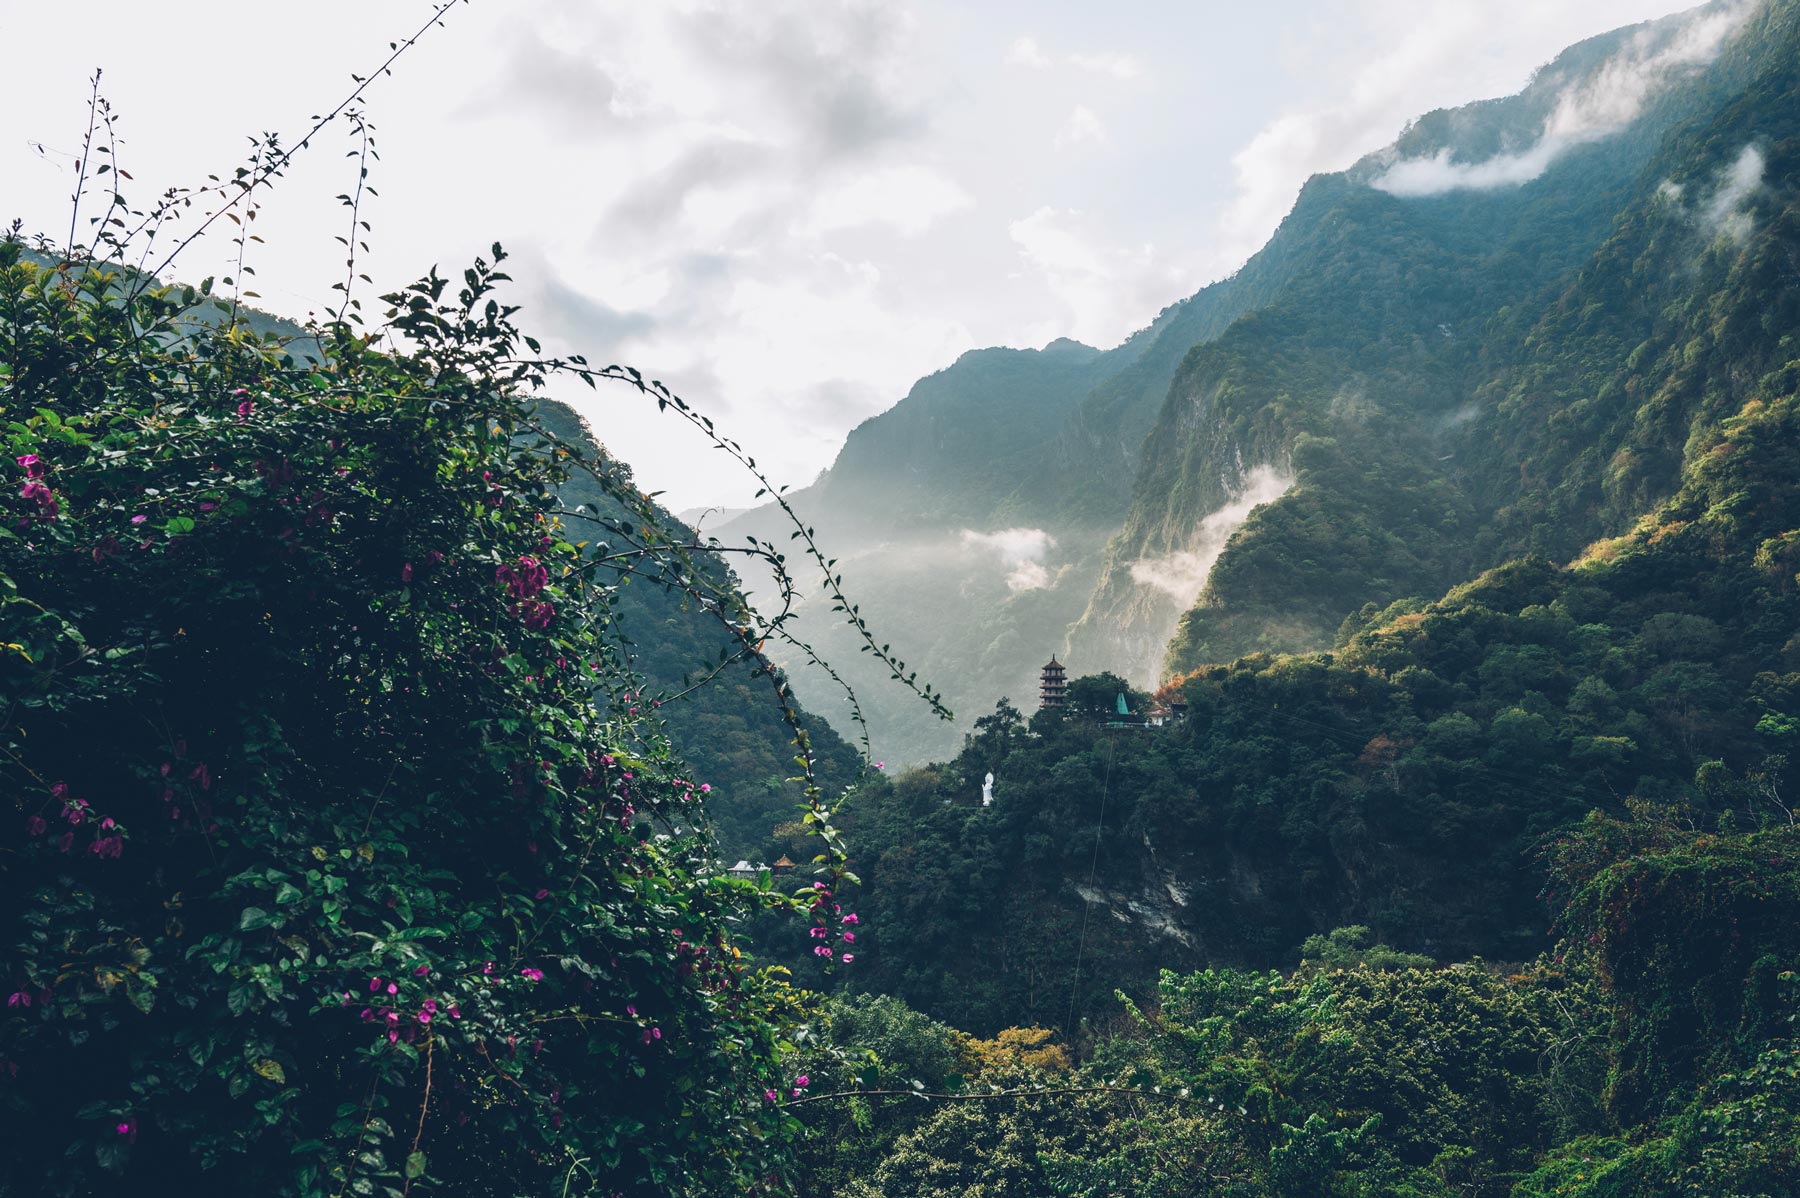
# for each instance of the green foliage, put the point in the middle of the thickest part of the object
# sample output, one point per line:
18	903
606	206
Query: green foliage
1357	1082
1348	948
895	1048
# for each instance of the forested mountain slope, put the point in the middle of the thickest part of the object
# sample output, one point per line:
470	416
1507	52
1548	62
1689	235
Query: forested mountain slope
1405	781
1369	371
1521	367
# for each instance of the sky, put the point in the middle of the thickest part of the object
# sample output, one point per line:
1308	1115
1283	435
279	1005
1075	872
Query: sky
786	210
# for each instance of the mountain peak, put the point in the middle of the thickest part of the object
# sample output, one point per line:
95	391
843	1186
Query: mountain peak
1066	347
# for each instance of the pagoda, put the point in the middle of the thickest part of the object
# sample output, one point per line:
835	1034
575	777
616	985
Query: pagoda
1053	686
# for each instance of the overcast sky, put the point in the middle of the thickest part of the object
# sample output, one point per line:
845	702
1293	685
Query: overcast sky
788	210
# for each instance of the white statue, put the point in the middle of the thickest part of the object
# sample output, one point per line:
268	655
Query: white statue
987	790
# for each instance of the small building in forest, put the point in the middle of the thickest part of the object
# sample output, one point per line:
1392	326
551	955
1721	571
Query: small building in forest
783	866
1053	685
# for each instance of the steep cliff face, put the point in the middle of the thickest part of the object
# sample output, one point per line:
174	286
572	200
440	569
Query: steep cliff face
1370	382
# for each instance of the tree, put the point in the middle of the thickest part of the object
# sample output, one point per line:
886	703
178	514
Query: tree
1096	697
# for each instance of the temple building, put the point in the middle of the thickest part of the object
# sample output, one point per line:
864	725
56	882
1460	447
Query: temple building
1053	687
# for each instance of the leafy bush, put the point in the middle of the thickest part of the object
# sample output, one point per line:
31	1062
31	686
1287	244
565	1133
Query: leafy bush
341	857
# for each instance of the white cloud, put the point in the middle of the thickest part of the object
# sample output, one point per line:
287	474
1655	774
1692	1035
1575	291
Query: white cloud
1727	213
1384	62
1021	551
1119	66
1082	128
1183	574
1027	51
1587	111
1107	288
909	199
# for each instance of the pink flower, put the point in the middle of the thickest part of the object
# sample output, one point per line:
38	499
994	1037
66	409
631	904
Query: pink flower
803	1081
139	518
706	788
406	572
456	1012
771	1096
631	1011
524	580
36	826
421	971
543	894
18	998
126	1128
35	490
849	937
34	465
847	958
530	974
851	918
